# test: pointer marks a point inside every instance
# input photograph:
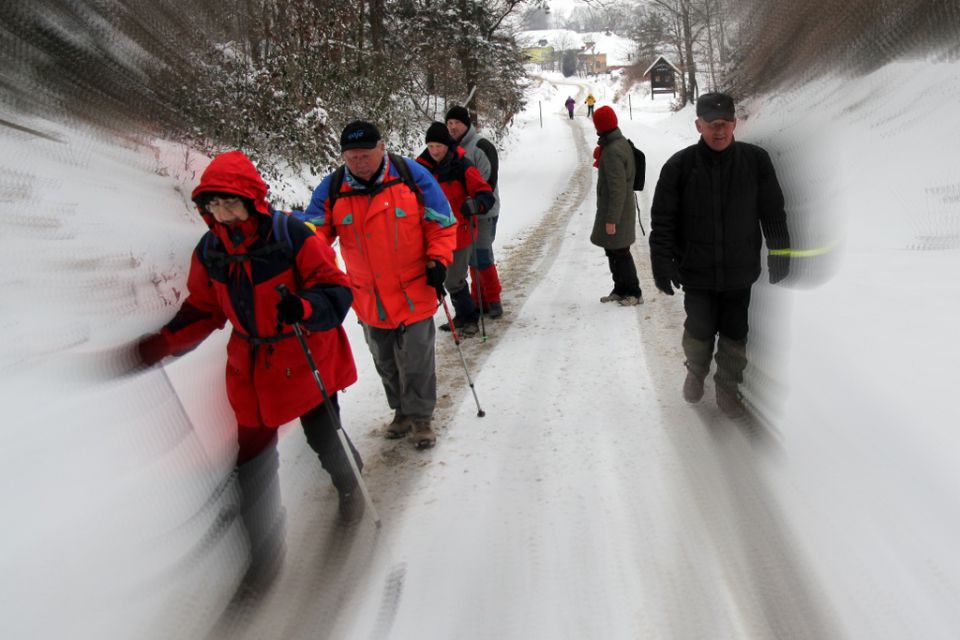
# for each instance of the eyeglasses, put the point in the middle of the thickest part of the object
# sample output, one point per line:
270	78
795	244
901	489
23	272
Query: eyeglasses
230	204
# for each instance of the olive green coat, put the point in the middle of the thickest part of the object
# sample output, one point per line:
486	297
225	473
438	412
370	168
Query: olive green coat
615	202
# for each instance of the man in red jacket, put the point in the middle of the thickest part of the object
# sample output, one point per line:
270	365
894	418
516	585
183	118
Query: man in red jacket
233	276
397	235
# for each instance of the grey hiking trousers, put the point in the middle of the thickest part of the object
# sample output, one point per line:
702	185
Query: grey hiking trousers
405	358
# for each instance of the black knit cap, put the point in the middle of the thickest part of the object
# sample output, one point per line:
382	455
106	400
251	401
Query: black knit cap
359	135
459	113
437	132
716	106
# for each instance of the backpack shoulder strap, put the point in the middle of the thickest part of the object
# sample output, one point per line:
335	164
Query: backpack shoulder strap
281	232
406	176
336	183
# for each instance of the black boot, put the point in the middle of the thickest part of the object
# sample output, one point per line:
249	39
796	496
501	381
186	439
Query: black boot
731	360
698	354
467	315
352	506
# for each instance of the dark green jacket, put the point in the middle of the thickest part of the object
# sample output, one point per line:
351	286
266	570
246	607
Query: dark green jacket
615	193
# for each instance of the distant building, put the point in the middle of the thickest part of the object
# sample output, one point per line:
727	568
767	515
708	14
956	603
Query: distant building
592	63
662	75
538	55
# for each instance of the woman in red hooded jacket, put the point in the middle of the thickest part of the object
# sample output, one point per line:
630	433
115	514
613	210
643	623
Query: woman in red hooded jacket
469	195
234	274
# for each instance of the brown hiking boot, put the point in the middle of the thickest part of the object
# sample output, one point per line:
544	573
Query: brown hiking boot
400	426
692	388
729	403
423	435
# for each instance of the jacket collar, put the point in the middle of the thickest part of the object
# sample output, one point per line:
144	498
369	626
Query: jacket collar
608	137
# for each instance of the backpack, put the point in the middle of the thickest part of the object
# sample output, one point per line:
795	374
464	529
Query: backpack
336	182
491	152
640	167
212	255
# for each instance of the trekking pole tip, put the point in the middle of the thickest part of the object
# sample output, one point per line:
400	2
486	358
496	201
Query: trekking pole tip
481	413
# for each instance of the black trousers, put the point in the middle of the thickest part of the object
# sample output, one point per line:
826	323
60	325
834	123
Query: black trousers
713	312
257	466
624	272
710	313
260	442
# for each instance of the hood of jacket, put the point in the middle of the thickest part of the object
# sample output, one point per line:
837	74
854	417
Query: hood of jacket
233	172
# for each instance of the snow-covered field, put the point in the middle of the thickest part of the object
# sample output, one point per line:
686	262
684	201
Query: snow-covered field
590	502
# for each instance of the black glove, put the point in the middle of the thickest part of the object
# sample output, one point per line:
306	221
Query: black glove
666	274
469	208
435	277
289	309
779	267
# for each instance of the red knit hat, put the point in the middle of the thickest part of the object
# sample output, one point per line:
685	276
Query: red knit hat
604	120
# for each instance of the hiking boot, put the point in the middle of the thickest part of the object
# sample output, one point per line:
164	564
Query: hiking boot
352	506
630	301
465	328
468	329
399	426
494	310
611	297
692	388
729	403
423	435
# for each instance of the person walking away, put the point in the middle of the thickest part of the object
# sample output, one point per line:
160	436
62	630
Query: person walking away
233	274
570	104
469	196
590	101
712	202
397	235
483	274
614	227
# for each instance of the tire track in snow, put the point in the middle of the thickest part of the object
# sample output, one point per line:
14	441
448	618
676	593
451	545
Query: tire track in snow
775	594
521	266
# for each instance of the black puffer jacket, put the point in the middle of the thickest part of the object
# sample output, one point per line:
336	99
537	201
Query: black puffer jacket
708	211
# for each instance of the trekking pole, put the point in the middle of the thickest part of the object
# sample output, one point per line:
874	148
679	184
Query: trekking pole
456	341
476	260
638	213
284	292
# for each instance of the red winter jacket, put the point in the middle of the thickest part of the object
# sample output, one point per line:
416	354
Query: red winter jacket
458	177
387	235
269	381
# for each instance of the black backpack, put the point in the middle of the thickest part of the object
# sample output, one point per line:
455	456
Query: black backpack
640	164
336	182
